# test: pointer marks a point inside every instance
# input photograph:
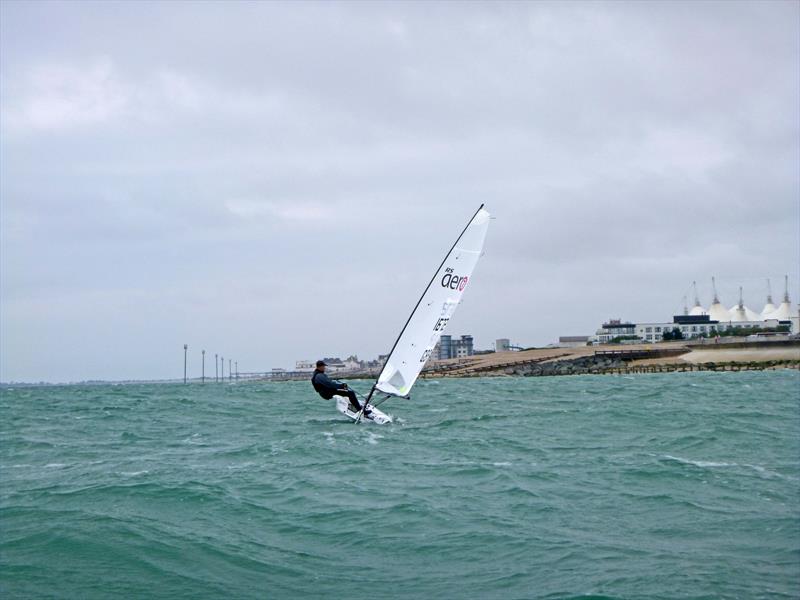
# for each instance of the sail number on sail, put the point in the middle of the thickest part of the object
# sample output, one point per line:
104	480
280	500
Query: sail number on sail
448	307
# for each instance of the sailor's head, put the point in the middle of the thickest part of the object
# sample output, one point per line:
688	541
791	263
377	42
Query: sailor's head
321	365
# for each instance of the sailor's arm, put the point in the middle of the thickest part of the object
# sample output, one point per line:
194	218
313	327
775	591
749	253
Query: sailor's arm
331	384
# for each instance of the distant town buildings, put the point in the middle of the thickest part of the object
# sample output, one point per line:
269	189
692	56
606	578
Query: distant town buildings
686	326
700	322
573	341
502	345
447	347
696	322
334	364
613	329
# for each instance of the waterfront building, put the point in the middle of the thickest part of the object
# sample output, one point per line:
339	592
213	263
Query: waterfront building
447	347
690	326
696	326
463	347
614	328
502	345
739	313
444	345
699	322
572	341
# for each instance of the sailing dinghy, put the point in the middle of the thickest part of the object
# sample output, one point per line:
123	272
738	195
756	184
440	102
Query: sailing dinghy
427	322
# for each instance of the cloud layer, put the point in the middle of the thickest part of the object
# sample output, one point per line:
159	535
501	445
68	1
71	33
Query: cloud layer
276	181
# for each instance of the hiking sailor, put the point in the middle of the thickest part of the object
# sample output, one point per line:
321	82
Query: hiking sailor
327	388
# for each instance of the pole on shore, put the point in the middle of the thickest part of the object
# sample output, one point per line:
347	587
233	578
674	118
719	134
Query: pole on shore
216	368
230	374
203	371
185	348
236	364
222	368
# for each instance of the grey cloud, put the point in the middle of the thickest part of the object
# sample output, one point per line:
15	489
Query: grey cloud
278	180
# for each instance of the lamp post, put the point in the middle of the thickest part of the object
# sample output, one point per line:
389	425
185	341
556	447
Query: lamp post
230	375
216	368
222	368
185	348
203	372
236	364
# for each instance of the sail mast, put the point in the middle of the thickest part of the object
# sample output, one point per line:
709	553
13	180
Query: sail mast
416	306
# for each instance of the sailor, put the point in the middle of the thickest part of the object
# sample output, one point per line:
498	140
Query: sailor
327	388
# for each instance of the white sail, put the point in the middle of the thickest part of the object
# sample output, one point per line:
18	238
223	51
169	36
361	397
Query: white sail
433	311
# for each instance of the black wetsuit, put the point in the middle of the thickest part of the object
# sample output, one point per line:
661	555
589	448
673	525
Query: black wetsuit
327	388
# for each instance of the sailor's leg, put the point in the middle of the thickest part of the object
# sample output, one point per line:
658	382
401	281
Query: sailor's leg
353	399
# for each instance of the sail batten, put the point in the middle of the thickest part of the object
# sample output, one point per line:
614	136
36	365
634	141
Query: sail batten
433	311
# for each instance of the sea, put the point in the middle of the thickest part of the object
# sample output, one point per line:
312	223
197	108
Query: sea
680	485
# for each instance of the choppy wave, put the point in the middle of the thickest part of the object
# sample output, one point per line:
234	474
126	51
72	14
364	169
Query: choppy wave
674	485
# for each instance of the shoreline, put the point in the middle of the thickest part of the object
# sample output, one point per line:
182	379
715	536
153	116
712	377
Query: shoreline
608	359
630	359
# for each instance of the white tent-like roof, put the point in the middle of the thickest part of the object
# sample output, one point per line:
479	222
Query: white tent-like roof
741	313
752	315
782	313
769	307
737	314
697	309
717	312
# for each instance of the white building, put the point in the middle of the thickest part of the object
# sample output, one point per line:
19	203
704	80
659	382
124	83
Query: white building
572	341
615	328
690	326
694	327
699	322
351	363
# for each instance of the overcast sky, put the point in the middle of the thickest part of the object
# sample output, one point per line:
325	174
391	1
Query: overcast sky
278	181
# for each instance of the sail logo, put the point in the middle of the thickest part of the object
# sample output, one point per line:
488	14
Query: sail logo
453	281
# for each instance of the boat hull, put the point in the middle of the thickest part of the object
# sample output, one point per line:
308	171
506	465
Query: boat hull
376	416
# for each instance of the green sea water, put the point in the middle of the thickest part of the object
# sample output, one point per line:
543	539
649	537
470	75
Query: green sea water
654	486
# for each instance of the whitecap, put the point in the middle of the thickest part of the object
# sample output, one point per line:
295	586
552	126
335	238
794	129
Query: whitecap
699	463
767	473
240	467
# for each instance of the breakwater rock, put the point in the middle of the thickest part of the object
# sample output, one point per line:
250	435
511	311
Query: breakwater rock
576	366
589	365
